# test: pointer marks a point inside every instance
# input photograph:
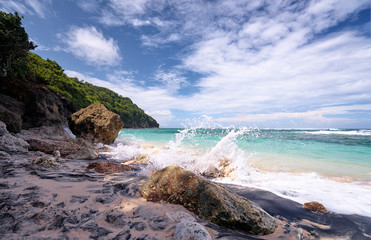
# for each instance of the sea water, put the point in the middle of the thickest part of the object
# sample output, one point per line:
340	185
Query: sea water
331	166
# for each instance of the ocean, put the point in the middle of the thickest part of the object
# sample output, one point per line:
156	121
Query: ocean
331	166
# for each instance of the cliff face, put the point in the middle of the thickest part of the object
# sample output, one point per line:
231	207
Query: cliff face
32	105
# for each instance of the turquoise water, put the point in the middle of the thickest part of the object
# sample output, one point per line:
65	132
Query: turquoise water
334	153
303	165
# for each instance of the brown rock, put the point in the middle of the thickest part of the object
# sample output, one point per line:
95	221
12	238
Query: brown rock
96	124
208	200
108	167
11	111
36	103
315	207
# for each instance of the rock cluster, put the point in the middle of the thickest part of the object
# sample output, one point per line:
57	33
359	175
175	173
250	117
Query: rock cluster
48	139
208	200
96	124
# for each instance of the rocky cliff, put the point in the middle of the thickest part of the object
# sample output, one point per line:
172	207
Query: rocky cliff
30	104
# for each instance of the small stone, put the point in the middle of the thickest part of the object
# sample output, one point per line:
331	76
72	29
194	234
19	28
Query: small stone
123	235
78	199
157	223
139	226
187	230
4	155
315	207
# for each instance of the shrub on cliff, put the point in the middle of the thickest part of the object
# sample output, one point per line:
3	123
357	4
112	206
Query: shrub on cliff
14	41
83	94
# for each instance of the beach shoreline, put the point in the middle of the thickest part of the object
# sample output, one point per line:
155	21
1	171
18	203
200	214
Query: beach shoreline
76	203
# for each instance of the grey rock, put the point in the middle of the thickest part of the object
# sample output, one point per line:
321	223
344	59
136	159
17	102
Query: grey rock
10	143
157	223
123	235
46	161
187	230
4	155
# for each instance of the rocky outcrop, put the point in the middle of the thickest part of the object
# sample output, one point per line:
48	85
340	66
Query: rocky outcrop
208	200
315	207
48	139
10	143
96	124
11	111
34	103
109	167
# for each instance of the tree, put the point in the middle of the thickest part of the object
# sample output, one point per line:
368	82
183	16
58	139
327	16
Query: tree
14	42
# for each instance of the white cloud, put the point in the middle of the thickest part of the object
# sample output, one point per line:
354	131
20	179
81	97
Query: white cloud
171	80
89	44
27	7
88	5
263	60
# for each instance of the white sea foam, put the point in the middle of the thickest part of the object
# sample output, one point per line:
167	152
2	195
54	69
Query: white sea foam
341	197
341	132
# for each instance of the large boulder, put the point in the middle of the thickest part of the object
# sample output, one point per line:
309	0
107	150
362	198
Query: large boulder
208	200
10	143
96	124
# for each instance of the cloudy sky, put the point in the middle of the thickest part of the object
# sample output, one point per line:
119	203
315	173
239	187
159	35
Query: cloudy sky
271	64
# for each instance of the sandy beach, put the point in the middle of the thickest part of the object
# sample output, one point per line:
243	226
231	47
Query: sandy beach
72	202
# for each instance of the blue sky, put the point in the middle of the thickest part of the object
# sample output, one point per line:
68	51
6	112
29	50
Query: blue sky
271	64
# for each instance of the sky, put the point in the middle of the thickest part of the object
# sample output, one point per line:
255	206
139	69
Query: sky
267	64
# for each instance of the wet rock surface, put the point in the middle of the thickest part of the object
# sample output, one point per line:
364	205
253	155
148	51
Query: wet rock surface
109	167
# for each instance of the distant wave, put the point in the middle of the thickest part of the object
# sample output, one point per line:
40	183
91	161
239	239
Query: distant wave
341	132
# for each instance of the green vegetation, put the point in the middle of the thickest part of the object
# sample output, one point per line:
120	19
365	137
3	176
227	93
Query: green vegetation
28	66
14	42
82	94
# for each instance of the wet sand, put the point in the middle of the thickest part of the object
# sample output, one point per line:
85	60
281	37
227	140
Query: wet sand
72	202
